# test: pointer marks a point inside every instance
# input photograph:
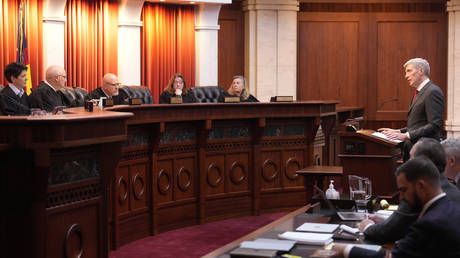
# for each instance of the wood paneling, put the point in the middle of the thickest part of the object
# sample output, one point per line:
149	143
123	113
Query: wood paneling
353	51
231	43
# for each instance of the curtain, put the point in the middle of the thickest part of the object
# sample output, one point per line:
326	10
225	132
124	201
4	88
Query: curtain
8	36
167	45
91	41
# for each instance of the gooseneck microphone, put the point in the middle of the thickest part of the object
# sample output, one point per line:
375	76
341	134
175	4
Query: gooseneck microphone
386	101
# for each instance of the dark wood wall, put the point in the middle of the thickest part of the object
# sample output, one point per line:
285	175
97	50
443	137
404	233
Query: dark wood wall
231	43
353	51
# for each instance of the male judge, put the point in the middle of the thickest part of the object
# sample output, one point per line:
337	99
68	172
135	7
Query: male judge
452	171
108	90
13	99
47	95
394	227
424	118
435	232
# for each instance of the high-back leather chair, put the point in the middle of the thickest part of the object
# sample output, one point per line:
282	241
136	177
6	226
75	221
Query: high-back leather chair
137	92
74	96
207	94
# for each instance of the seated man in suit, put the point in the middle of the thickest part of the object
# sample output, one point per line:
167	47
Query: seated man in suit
13	99
452	171
108	90
394	227
435	232
47	95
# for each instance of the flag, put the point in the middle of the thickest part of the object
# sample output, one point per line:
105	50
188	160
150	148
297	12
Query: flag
23	52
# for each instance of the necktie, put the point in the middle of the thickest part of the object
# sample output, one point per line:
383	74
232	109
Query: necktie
415	95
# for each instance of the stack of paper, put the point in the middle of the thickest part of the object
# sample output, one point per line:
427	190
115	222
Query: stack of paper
269	244
318	227
307	238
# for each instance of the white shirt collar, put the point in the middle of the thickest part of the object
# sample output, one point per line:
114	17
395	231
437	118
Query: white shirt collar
457	177
420	87
50	85
16	91
429	203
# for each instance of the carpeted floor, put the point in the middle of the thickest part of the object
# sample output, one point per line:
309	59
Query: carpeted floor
193	241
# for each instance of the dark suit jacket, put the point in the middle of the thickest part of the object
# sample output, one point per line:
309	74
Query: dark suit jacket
396	226
165	97
424	118
46	98
11	104
226	94
436	234
98	93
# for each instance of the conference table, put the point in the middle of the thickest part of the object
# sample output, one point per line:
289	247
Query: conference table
288	222
83	182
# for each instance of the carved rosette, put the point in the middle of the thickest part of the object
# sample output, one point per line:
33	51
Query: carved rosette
138	186
184	179
214	175
292	165
73	242
269	170
122	186
237	173
164	182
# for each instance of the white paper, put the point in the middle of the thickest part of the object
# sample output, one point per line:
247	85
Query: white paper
269	244
381	135
318	227
307	238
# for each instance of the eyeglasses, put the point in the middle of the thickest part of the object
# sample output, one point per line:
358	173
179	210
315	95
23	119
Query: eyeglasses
114	84
63	76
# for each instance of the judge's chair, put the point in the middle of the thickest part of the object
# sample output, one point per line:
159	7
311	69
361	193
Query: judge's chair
141	92
207	94
74	96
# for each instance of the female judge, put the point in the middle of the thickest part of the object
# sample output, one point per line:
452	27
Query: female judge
177	88
238	89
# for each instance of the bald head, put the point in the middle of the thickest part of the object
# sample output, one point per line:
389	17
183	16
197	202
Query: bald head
110	84
56	76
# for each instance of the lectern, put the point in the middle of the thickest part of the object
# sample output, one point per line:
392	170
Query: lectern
369	156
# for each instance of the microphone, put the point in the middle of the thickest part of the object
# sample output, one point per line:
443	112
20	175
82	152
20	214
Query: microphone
386	101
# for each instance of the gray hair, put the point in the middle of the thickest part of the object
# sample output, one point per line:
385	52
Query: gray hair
420	63
245	92
452	147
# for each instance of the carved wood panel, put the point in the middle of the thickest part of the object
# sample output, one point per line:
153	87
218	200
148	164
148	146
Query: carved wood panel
185	178
163	181
270	169
293	160
122	189
215	174
139	188
237	170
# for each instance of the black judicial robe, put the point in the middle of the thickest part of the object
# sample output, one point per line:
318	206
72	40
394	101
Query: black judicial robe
46	98
11	104
165	97
98	93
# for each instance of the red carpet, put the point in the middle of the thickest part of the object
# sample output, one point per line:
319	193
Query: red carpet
193	241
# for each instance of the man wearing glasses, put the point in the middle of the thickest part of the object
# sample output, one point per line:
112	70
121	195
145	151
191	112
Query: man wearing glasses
47	96
108	90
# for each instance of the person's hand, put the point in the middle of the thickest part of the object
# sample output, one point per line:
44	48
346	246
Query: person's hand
362	225
339	249
178	92
395	135
386	130
377	218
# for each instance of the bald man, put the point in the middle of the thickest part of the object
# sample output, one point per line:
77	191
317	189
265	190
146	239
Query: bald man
47	95
108	90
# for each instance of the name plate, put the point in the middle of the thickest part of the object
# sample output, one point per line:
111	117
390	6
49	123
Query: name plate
107	102
282	99
175	100
135	101
232	99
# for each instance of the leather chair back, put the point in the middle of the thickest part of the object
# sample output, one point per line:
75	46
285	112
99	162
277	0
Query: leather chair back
207	94
137	92
74	96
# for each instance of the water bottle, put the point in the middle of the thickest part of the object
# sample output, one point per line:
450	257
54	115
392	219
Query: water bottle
331	193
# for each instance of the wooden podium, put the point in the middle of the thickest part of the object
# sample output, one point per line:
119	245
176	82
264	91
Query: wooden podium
369	156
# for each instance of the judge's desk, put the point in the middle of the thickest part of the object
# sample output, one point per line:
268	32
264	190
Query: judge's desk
290	222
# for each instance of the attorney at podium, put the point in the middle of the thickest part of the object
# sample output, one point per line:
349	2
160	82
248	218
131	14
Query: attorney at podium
426	108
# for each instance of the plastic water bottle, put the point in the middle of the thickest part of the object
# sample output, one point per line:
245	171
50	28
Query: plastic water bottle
331	193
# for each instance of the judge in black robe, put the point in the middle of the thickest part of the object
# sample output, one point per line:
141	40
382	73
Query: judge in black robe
13	99
109	90
177	88
238	88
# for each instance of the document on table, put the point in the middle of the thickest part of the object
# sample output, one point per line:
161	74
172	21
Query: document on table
318	227
381	135
307	238
269	244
